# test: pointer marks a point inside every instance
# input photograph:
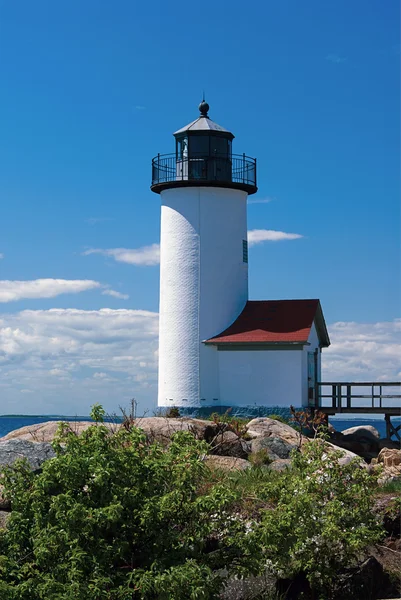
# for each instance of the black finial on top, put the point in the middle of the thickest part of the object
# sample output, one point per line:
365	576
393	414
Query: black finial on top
204	107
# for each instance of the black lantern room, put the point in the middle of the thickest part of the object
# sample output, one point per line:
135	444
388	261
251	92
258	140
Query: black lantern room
203	156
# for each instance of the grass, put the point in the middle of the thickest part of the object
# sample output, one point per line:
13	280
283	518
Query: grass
392	487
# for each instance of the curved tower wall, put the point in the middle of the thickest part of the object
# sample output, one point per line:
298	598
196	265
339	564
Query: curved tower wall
203	287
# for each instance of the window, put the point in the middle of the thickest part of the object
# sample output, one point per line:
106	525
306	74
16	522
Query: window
182	149
199	146
245	251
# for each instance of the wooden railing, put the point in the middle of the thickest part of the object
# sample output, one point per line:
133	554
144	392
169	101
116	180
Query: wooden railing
342	396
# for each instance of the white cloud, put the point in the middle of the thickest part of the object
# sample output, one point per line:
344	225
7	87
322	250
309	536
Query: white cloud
363	352
336	59
1	256
64	360
150	255
257	236
115	294
145	256
69	359
265	200
140	107
43	288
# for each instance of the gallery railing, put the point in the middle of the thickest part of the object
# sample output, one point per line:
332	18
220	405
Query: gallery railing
238	169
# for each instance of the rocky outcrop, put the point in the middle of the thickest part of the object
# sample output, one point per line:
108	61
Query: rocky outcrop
389	460
388	443
346	455
34	452
361	433
160	429
363	440
389	457
228	443
5	503
275	447
280	464
4	516
265	427
227	463
45	432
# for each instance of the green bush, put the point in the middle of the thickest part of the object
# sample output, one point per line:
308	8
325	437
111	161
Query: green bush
260	457
114	517
322	516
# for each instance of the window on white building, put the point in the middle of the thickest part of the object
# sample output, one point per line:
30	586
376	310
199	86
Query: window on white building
244	251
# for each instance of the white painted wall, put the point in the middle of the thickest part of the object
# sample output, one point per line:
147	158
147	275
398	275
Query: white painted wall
260	377
203	287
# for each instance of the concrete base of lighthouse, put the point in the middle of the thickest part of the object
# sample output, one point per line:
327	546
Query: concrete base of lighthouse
203	287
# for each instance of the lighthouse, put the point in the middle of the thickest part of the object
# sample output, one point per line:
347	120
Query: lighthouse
203	256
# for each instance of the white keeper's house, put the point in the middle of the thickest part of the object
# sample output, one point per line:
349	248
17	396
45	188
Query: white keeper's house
217	348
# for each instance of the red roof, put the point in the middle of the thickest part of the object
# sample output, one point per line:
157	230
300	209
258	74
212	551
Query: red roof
275	321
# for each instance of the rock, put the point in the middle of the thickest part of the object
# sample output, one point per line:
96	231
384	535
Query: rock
280	464
161	429
387	443
227	443
362	432
346	457
390	457
363	440
388	510
389	475
4	516
249	587
34	452
227	463
5	503
366	580
45	432
275	447
265	427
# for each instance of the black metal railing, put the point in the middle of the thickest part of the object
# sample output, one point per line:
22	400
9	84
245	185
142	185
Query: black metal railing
238	168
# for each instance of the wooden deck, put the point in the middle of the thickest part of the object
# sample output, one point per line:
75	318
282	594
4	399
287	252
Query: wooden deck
342	397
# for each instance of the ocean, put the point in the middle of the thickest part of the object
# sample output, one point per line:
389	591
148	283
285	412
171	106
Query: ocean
9	423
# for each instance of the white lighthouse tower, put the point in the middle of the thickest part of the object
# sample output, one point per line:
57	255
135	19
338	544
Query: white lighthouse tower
203	256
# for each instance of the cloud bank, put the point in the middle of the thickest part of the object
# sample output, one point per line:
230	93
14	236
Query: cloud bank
64	360
145	256
61	361
150	255
43	288
257	236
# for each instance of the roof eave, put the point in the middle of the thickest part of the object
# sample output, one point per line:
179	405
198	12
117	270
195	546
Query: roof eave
212	342
320	323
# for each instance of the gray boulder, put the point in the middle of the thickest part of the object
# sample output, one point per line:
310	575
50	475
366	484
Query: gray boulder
227	463
5	503
276	447
34	452
161	429
362	433
4	516
266	427
228	443
280	464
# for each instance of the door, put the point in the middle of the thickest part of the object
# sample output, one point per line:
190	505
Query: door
311	378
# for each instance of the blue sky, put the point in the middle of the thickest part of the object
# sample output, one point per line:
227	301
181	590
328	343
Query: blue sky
90	91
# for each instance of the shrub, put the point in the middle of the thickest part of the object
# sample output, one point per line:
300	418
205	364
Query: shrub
322	517
172	413
114	517
259	458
